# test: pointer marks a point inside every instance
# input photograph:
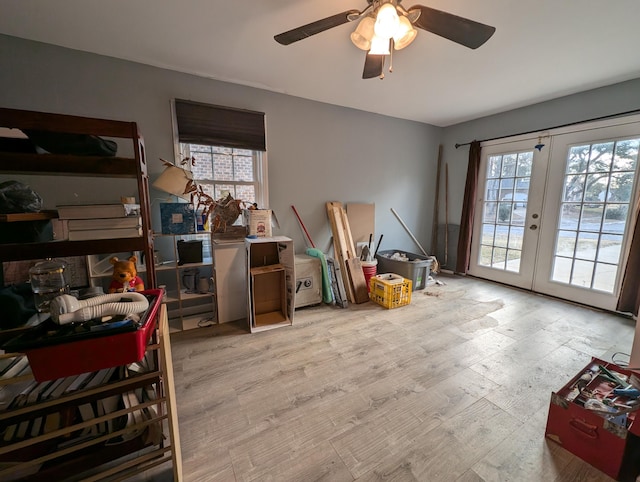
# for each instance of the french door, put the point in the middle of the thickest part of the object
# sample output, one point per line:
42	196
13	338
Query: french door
553	212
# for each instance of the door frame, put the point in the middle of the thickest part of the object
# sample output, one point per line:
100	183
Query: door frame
539	201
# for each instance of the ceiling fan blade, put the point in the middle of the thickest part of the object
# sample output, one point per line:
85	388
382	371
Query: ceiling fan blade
313	28
373	65
457	29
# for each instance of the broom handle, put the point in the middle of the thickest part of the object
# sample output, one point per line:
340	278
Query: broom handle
303	228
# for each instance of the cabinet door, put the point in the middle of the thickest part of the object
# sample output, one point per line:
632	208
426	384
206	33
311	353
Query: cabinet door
231	282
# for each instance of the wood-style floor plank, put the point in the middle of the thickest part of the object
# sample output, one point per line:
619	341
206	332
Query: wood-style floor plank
455	386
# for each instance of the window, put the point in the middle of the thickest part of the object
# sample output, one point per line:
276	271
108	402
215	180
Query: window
226	170
228	150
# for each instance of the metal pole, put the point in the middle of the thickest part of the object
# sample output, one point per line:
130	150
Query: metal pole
408	231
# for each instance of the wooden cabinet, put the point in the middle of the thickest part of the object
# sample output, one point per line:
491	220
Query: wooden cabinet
62	452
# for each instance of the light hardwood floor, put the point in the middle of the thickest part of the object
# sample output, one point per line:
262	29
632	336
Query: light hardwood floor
453	387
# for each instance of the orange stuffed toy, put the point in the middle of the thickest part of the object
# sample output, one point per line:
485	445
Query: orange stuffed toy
125	276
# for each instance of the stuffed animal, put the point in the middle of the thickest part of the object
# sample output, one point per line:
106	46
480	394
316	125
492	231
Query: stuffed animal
125	276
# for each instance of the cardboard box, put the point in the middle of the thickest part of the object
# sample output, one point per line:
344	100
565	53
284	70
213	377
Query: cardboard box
258	222
270	275
610	444
269	295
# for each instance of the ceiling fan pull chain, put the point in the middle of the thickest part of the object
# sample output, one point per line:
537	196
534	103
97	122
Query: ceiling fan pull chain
391	55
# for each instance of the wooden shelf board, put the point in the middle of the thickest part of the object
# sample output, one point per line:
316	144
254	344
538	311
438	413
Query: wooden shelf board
16	217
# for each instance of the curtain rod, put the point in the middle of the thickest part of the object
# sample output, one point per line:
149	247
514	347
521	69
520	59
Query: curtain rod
611	116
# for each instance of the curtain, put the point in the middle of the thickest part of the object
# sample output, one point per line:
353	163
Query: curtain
629	300
468	208
220	126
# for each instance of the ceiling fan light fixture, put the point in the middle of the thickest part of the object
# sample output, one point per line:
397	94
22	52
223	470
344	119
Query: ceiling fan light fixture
404	35
362	35
387	21
379	46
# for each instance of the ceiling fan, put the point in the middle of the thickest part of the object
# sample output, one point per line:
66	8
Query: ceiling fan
385	25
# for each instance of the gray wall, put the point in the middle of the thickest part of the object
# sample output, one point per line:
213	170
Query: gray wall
316	152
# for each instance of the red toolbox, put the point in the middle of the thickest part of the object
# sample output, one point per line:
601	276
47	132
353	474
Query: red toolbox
62	351
577	420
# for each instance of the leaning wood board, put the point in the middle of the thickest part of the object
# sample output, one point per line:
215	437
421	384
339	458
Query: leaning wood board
358	280
341	254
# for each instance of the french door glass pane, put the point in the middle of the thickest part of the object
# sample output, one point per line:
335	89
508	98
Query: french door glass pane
598	188
504	210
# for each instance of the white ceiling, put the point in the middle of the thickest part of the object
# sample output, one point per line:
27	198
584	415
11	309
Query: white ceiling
542	49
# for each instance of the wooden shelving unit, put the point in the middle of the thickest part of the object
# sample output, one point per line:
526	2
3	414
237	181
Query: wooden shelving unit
43	457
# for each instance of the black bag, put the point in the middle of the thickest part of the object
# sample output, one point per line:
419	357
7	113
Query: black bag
72	144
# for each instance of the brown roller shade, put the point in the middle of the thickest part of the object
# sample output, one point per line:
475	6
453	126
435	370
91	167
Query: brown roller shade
215	125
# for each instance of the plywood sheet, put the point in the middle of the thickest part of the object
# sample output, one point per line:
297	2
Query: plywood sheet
362	220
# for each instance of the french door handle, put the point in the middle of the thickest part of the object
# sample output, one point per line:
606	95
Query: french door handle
533	227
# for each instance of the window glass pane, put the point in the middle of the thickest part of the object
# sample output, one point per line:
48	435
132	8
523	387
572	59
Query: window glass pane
566	243
246	193
610	248
485	255
621	187
509	165
525	162
502	236
569	216
626	157
577	159
561	269
615	218
515	237
591	217
223	190
223	167
586	246
601	156
504	213
201	166
499	258
491	191
605	277
488	231
596	187
494	166
573	188
513	260
243	168
490	211
582	273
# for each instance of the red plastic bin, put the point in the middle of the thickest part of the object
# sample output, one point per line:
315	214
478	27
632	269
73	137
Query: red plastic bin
92	354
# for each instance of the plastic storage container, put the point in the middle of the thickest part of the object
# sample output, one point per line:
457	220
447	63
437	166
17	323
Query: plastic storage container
417	268
390	290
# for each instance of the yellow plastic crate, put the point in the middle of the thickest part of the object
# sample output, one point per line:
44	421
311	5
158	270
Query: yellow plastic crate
390	290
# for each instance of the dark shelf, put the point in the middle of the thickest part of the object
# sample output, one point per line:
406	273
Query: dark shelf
55	249
63	165
45	121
